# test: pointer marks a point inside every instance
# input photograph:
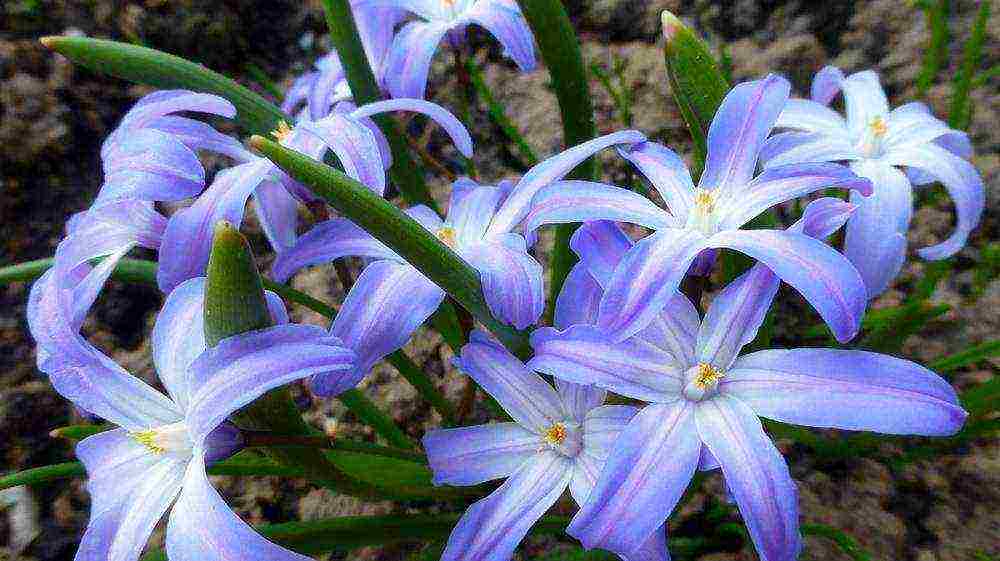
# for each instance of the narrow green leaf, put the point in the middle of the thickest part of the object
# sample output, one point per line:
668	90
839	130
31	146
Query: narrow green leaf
982	399
424	385
561	53
79	432
696	82
361	406
890	337
936	15
960	110
405	173
351	532
499	115
397	230
43	474
156	68
970	356
845	542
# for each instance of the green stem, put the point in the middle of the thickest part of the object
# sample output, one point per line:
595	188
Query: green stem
370	415
960	110
561	53
405	172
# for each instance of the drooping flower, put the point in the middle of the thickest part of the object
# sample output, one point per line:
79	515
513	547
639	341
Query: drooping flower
158	456
326	85
896	150
559	438
410	55
479	227
704	399
710	216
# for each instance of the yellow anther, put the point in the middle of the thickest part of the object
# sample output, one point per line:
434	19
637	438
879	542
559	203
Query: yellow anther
282	132
448	3
148	439
704	200
878	127
708	375
556	434
447	236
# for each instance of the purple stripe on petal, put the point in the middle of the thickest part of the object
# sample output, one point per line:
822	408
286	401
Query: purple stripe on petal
504	21
493	527
471	210
278	213
578	300
584	355
387	304
529	399
876	233
410	58
602	427
824	277
642	481
451	125
203	528
735	316
472	455
646	278
512	279
355	146
755	473
852	390
584	201
325	243
579	399
518	202
666	171
738	131
806	115
179	337
187	240
600	244
150	165
826	84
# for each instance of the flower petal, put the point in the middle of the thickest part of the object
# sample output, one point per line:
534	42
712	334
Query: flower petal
151	165
583	201
116	464
512	279
826	84
584	355
504	21
278	214
963	183
198	135
387	304
493	527
735	315
187	240
325	243
738	131
822	217
578	300
471	210
518	202
579	399
798	147
356	148
472	455
179	337
806	115
876	233
824	277
241	368
852	390
203	528
864	99
756	475
600	244
448	121
783	183
645	280
666	171
642	481
529	399
410	58
602	426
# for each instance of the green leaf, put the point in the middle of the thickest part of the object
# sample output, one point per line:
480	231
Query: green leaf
79	432
155	68
392	227
845	542
351	532
499	115
936	14
960	109
696	81
43	474
561	53
424	385
369	414
982	399
406	174
889	336
972	355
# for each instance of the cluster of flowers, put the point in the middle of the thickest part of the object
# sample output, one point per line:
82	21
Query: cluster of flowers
621	325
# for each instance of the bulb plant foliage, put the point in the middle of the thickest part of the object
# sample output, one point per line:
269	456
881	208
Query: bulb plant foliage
619	401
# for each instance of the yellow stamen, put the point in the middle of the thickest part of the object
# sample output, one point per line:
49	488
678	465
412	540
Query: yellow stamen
148	439
447	236
704	200
708	375
556	434
282	132
878	127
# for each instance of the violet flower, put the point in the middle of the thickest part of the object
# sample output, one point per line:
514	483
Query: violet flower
710	216
159	455
896	150
559	438
410	55
322	88
479	227
704	399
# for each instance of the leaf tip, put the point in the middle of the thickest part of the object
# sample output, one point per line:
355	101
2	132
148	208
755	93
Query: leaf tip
49	41
671	24
257	142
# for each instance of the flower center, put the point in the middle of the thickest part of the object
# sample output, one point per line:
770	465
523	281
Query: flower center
870	143
447	236
564	439
701	217
166	439
281	133
702	381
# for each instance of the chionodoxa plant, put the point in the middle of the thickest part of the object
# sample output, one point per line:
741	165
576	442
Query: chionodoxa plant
632	365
